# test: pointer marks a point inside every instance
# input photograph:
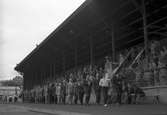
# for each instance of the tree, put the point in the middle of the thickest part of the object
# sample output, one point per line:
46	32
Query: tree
16	81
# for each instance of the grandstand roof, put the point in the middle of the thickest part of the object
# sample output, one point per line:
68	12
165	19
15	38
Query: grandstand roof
98	19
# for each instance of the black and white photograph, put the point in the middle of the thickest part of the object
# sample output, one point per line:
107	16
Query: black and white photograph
83	57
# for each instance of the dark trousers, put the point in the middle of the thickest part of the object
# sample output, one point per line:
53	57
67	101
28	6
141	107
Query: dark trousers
81	95
129	99
87	98
97	93
119	96
55	99
105	94
51	100
75	98
64	99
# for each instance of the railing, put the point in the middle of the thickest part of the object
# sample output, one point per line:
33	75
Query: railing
137	58
117	69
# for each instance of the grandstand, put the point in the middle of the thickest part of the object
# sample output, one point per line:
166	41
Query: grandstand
100	28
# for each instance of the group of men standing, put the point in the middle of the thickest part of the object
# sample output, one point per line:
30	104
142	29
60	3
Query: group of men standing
75	90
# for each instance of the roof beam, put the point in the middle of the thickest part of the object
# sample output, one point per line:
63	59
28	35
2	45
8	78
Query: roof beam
137	6
142	36
140	19
141	28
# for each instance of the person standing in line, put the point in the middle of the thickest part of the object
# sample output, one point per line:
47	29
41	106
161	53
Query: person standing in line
70	91
87	90
38	96
48	93
80	91
110	94
63	88
54	93
75	92
45	94
104	84
96	88
58	93
119	89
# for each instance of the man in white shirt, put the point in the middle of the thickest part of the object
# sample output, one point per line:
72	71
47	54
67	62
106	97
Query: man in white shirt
104	84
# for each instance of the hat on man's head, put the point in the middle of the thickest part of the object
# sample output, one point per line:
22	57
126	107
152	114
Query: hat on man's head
106	57
70	79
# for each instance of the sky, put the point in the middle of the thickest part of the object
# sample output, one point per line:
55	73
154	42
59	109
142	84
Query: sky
25	23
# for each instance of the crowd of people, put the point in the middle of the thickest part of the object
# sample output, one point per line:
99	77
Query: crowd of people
92	84
86	86
8	99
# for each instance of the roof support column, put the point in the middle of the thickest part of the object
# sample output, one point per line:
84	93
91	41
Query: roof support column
38	78
31	81
145	31
51	71
76	54
48	72
91	51
54	71
45	79
35	79
24	81
113	44
63	61
27	83
41	77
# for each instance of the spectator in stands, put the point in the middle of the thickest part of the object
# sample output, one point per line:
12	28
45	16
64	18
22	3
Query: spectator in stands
108	66
121	58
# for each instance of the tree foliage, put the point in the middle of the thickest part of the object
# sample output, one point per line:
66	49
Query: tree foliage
16	81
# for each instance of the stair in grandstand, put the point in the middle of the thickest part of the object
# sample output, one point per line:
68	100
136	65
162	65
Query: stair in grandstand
128	62
117	69
136	60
